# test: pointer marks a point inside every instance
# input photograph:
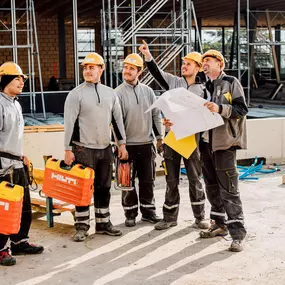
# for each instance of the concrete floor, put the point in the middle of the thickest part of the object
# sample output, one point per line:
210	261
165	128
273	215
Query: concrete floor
173	257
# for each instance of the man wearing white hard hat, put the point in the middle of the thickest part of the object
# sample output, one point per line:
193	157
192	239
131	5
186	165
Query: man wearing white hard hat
135	99
190	67
12	160
89	111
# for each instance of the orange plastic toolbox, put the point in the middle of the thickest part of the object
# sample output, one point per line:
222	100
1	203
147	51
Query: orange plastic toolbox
11	203
71	185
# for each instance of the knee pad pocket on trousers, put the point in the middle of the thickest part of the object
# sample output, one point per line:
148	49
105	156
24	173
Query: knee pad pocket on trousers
233	181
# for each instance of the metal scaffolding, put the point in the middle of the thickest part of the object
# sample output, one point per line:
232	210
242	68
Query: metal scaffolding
24	18
259	32
124	26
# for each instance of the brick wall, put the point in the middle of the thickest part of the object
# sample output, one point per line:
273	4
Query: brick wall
47	31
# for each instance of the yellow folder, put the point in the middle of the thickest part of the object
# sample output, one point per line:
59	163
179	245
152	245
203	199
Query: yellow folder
185	146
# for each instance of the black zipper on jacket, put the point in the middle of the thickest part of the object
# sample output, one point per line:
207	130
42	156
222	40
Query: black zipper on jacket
186	83
99	101
136	95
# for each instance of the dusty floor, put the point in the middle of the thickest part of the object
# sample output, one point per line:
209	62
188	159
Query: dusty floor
176	256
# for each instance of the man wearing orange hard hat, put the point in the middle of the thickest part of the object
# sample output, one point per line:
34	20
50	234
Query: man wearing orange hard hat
218	151
141	127
190	67
12	161
89	110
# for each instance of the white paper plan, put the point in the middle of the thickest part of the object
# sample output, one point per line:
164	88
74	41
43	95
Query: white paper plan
187	112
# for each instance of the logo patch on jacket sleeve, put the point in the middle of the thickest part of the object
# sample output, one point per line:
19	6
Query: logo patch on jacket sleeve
228	96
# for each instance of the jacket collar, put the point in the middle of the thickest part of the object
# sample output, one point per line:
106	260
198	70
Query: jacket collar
220	77
9	98
92	84
197	80
130	85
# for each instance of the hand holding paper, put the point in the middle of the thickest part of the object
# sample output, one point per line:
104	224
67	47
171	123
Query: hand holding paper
187	112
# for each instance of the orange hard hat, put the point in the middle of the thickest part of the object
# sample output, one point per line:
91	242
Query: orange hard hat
11	68
134	59
216	54
94	59
196	56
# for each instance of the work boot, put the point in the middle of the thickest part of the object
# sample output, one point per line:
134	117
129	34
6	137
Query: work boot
236	246
80	235
6	258
201	224
108	229
130	222
163	225
26	248
151	219
214	231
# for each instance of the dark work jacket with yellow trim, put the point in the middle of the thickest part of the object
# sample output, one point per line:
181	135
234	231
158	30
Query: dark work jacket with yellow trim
227	92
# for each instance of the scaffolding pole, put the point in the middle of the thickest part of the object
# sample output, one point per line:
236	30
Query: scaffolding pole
14	31
39	62
31	43
248	55
110	45
238	40
103	21
116	42
75	43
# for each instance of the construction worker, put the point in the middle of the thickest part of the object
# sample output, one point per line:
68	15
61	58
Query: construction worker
135	99
218	151
190	67
89	110
12	160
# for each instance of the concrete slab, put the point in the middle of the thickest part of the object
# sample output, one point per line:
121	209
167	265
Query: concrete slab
173	257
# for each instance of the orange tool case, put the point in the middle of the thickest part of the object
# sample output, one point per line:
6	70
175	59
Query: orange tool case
72	185
11	203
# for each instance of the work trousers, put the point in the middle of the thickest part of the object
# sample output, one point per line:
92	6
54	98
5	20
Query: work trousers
143	158
194	174
221	180
19	178
101	161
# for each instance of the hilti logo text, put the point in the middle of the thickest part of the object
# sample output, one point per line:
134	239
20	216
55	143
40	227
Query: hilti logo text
5	205
63	179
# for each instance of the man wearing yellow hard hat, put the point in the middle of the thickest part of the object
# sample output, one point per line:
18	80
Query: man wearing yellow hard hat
89	111
141	127
11	160
218	151
189	69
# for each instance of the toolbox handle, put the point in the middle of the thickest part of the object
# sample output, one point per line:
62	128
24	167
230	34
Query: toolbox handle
9	185
64	166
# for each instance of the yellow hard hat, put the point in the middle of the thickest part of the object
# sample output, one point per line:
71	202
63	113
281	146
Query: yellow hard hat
94	59
134	59
196	56
216	54
11	68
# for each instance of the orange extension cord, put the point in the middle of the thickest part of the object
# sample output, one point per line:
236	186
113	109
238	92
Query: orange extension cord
124	174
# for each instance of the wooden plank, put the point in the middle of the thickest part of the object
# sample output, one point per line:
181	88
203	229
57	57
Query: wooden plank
63	207
44	128
276	66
